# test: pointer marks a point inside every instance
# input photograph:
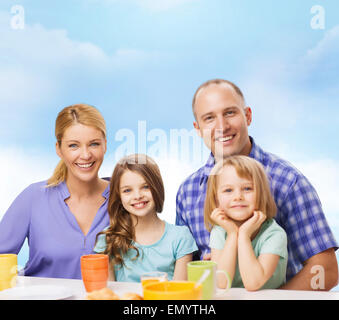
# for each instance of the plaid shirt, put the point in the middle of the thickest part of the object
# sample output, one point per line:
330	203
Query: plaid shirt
299	209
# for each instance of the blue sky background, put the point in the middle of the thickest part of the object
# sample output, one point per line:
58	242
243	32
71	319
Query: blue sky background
142	60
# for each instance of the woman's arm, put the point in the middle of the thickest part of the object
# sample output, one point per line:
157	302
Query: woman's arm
180	269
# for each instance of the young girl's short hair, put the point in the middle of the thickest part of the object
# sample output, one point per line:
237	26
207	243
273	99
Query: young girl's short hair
121	234
247	168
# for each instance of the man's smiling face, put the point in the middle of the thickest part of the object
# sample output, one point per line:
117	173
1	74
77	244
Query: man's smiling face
222	120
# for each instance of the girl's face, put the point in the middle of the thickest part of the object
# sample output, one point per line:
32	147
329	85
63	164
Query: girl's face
82	149
135	194
235	195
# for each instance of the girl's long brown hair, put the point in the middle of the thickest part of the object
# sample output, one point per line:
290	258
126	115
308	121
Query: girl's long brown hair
121	232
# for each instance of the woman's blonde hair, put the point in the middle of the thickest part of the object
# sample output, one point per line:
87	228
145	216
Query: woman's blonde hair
121	232
79	113
247	168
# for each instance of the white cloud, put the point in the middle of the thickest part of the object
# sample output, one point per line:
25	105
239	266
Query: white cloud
324	176
152	5
327	48
173	172
320	65
271	102
161	5
38	64
287	95
21	88
55	49
36	44
128	59
18	169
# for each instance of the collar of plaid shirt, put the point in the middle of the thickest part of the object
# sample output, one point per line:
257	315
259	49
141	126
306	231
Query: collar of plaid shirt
255	153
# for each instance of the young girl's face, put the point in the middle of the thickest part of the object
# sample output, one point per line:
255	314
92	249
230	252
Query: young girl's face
135	194
236	195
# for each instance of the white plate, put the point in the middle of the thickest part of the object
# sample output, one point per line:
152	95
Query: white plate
38	292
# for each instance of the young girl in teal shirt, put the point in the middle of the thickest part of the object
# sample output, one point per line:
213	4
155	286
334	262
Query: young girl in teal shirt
137	241
245	240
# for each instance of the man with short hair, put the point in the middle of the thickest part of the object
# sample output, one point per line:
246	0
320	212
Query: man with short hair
221	120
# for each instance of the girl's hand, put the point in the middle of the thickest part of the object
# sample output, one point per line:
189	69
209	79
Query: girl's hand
253	224
219	217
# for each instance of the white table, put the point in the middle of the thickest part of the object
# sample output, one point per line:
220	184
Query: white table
77	289
74	286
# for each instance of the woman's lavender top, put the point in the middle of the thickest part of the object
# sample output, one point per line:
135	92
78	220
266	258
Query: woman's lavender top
55	239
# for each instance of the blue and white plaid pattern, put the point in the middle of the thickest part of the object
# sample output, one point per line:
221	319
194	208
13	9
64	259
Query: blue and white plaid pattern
299	209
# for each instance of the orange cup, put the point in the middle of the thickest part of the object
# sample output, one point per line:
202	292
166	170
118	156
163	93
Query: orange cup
94	271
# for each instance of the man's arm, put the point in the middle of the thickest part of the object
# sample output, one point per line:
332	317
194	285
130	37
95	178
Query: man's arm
309	237
320	272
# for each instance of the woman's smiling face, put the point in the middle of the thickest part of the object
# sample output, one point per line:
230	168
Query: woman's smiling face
82	149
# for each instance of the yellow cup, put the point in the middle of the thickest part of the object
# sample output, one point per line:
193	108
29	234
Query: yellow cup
8	270
152	277
172	290
146	282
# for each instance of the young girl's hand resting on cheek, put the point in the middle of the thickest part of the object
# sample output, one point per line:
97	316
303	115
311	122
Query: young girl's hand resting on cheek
252	225
245	241
219	217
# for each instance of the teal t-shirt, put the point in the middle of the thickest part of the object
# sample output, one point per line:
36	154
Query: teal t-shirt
176	242
271	238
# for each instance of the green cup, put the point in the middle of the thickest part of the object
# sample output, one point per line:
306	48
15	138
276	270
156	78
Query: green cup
195	270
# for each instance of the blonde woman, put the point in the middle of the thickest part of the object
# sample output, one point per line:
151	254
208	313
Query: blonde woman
245	240
61	217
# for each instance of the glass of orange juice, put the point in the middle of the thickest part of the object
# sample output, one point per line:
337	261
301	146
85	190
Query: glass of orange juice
152	277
